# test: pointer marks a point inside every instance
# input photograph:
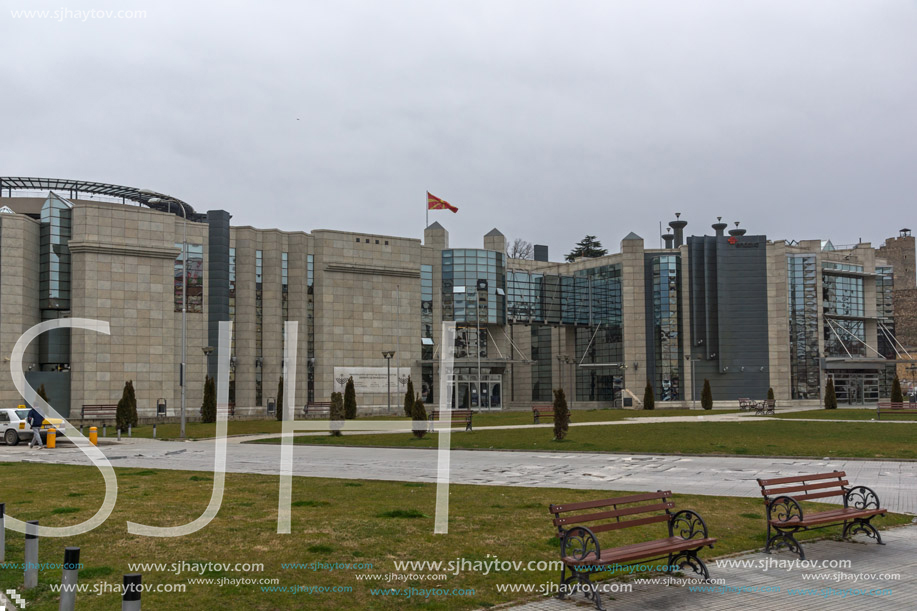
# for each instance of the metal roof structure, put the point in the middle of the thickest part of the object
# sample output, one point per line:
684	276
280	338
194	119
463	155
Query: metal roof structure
167	203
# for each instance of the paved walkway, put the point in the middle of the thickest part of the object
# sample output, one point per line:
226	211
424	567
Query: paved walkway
894	481
743	588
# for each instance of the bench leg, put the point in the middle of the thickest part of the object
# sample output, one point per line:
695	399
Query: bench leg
783	539
565	582
689	558
590	590
864	527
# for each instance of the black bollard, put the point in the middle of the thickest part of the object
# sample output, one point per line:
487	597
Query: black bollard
130	600
69	578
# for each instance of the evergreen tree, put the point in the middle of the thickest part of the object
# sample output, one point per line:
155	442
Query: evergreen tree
561	415
770	394
588	247
350	400
897	395
649	398
409	399
706	396
419	417
133	400
830	395
337	413
209	405
278	409
123	413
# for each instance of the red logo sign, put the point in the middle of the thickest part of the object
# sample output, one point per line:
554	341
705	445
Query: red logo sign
732	240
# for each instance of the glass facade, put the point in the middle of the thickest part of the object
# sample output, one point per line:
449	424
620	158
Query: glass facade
426	333
194	277
461	271
54	280
843	305
885	311
285	285
310	313
802	296
666	281
600	345
543	360
232	317
56	219
259	327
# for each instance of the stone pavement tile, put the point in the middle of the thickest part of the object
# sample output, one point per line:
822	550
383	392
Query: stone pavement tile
799	589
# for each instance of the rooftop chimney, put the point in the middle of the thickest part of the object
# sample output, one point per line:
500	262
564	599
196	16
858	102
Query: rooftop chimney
668	237
679	228
719	226
737	232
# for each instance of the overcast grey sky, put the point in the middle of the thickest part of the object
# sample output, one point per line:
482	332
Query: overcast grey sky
548	120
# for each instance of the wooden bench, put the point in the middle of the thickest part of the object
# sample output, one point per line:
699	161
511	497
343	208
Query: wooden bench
765	407
542	410
453	416
887	407
102	412
582	554
746	404
785	516
317	409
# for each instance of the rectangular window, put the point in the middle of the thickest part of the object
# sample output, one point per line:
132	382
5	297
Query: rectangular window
194	278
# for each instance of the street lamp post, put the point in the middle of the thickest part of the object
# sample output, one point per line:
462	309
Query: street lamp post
388	377
184	293
207	350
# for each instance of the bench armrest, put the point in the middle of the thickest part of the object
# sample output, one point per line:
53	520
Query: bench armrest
861	497
578	543
688	525
783	509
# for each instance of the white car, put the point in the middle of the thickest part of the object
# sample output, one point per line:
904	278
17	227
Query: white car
14	428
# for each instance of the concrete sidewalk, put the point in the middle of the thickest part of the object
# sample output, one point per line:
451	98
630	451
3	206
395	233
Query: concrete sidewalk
872	569
894	481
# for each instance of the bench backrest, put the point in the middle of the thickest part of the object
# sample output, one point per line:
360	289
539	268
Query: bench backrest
892	405
607	514
318	404
805	487
456	413
543	408
98	410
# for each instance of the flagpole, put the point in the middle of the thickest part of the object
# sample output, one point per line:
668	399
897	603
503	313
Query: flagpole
427	208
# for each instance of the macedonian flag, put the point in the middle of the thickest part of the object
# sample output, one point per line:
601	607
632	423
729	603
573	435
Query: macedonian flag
435	203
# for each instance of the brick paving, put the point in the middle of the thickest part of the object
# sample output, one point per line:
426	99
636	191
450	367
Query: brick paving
897	557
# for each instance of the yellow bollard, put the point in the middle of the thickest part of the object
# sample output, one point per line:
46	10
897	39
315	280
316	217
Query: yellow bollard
94	435
52	438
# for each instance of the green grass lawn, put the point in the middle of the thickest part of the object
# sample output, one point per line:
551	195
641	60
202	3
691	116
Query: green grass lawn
199	430
847	414
341	521
762	438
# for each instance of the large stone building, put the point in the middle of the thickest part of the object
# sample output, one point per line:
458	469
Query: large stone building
742	311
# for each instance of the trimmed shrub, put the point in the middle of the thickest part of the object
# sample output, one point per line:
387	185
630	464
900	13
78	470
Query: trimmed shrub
561	415
209	405
419	413
133	402
649	398
350	400
123	413
278	407
770	394
897	395
830	395
337	413
409	399
706	396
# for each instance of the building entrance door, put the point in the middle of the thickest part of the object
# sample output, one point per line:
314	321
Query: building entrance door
468	394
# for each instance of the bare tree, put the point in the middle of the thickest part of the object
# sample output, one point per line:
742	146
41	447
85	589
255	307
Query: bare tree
520	249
